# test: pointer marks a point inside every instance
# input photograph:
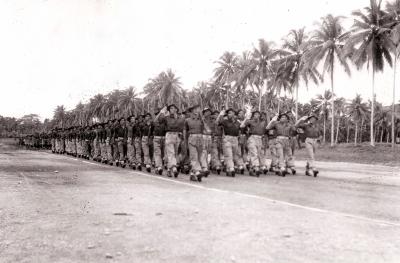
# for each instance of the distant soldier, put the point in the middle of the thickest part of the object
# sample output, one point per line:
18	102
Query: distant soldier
147	133
130	144
271	136
137	134
256	128
243	139
159	143
109	138
121	136
313	134
283	131
216	149
231	128
102	142
208	132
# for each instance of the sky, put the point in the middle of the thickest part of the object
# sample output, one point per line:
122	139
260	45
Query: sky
59	52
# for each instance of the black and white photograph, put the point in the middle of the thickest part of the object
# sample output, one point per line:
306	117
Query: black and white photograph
200	131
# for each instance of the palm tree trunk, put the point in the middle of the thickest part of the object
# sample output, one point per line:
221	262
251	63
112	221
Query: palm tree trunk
394	95
337	131
348	132
279	105
355	135
361	130
259	101
297	101
333	105
372	108
382	135
324	140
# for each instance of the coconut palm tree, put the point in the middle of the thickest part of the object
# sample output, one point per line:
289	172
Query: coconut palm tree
293	64
340	107
358	111
95	106
326	45
127	101
164	89
59	115
225	72
393	11
260	68
370	42
323	104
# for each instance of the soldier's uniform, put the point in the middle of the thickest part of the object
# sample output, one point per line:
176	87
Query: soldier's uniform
194	137
271	135
312	133
102	140
173	128
137	134
130	144
158	142
284	131
256	129
216	148
109	142
209	128
147	133
231	129
120	136
243	146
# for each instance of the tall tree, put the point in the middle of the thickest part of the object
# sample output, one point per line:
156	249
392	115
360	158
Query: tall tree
358	111
327	46
370	43
262	57
165	88
393	10
225	72
294	64
323	103
59	115
127	101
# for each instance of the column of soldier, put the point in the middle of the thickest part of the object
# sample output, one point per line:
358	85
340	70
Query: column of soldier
195	142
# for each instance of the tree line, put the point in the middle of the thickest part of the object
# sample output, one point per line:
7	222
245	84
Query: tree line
259	77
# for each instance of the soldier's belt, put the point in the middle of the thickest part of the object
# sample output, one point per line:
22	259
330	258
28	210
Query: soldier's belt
283	137
256	135
158	137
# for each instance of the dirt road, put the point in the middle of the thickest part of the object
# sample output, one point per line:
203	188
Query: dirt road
59	209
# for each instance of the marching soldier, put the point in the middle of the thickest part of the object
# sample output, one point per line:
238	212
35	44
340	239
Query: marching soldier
313	134
103	145
158	143
137	135
193	134
121	136
209	129
109	139
216	148
173	128
283	130
243	139
271	136
256	128
231	129
130	144
147	133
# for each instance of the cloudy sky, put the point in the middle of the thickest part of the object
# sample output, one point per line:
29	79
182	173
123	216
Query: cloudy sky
61	52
